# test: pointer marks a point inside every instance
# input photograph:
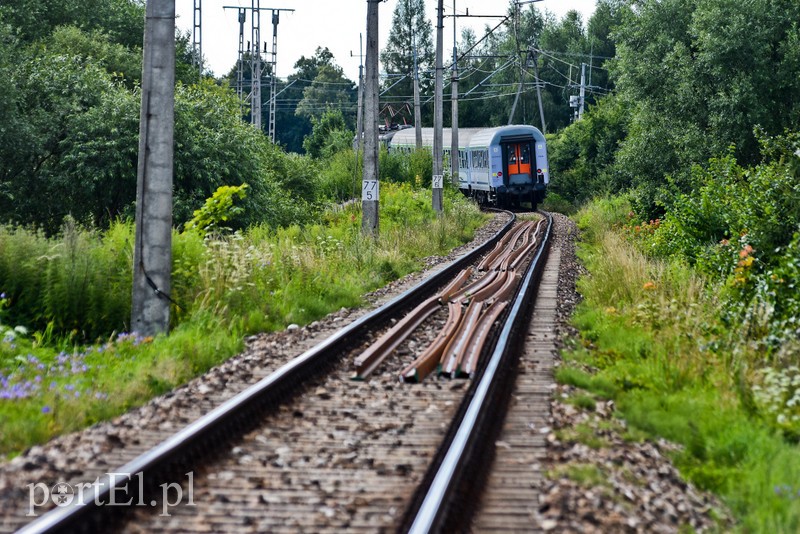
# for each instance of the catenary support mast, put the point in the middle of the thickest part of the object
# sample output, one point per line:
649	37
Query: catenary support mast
197	35
370	192
438	117
454	159
152	262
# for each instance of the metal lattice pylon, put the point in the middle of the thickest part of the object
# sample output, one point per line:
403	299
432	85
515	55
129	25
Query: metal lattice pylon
255	65
273	86
197	35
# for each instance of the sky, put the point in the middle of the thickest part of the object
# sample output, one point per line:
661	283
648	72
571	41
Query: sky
335	24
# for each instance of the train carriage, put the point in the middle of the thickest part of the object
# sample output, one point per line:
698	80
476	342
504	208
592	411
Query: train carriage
505	165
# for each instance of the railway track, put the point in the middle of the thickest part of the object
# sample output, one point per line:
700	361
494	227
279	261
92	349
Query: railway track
319	451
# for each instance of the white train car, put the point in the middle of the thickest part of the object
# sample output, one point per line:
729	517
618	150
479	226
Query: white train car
505	165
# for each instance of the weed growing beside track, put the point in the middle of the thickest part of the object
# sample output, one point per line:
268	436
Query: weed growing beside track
654	339
54	380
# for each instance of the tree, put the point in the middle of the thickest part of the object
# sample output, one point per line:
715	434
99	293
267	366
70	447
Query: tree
606	17
317	81
329	135
13	126
122	20
329	88
120	61
699	75
408	25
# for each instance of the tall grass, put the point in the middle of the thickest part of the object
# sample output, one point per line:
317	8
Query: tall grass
66	359
80	283
653	336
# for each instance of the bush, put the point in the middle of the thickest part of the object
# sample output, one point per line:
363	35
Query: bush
740	225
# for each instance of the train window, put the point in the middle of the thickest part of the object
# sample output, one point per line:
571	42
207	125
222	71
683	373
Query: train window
463	161
525	154
480	159
512	155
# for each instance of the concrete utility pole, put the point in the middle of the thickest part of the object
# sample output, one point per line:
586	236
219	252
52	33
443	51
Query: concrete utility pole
417	106
583	91
454	160
360	113
538	89
255	67
152	261
197	35
370	191
438	117
240	63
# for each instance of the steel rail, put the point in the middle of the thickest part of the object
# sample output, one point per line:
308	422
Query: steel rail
88	512
528	249
427	362
432	507
529	242
509	239
371	358
520	231
460	343
468	292
482	331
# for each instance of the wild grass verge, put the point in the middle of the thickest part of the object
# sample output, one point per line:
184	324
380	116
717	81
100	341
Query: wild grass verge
652	340
56	379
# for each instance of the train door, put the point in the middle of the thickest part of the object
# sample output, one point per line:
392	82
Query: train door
518	162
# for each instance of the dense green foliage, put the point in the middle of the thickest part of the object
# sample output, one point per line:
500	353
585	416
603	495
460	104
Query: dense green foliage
329	135
317	86
69	124
741	226
702	130
410	34
692	78
122	20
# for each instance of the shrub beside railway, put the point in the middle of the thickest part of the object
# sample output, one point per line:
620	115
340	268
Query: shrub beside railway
690	323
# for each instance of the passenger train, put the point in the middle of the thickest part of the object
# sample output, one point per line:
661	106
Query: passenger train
502	166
